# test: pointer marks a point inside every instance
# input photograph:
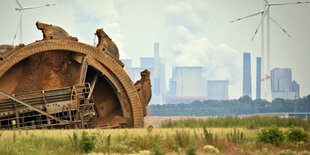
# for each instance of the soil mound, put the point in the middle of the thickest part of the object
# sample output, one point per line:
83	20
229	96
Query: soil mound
48	70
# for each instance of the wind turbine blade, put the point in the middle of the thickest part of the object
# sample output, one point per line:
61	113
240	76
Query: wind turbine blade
262	20
280	27
34	7
289	3
251	15
266	2
18	25
17	2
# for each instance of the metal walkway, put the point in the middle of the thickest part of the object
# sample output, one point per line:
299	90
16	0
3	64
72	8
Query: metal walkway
56	107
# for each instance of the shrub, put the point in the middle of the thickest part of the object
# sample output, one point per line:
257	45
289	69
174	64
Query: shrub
191	150
87	142
211	149
149	129
271	135
157	150
297	135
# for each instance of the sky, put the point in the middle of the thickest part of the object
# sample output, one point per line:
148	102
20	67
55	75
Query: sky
190	32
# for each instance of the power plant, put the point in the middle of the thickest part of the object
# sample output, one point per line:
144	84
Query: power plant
282	85
265	62
157	66
218	89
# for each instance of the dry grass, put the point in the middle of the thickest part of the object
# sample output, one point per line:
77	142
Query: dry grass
63	133
134	140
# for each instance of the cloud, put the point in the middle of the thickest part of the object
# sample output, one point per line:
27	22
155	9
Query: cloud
94	14
183	13
190	45
219	61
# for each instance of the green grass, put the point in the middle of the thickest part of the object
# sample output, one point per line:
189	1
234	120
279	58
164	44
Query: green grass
254	122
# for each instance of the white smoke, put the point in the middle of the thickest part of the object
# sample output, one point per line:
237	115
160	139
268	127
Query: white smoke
190	45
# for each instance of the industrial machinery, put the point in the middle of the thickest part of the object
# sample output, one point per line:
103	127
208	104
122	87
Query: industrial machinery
58	82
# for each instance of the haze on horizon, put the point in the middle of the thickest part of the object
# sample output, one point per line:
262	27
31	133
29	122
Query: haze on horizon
190	33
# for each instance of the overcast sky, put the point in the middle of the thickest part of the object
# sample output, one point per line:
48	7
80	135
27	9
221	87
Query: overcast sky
190	32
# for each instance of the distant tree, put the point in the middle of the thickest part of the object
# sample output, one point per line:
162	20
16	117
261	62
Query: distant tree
242	106
245	99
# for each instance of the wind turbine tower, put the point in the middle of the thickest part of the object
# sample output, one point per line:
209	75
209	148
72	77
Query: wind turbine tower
265	79
21	9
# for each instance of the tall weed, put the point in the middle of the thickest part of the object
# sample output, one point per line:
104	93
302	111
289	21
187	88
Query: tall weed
236	136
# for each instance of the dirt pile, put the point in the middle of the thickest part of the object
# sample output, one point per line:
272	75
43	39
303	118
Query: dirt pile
48	70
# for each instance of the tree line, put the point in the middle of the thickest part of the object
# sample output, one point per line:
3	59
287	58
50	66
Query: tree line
242	106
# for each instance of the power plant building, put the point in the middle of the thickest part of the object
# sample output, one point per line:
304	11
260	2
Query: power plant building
217	89
247	86
189	81
295	88
282	85
172	84
185	85
156	65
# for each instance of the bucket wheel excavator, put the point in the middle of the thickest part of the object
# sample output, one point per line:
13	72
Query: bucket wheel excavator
59	82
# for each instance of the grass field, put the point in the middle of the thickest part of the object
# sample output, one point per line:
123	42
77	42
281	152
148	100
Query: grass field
135	140
185	140
253	122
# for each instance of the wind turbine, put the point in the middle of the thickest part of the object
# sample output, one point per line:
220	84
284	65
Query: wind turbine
20	22
266	12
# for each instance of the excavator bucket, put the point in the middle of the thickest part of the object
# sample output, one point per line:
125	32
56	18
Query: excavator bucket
59	82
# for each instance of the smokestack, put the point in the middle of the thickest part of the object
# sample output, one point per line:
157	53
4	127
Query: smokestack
247	86
156	60
156	69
